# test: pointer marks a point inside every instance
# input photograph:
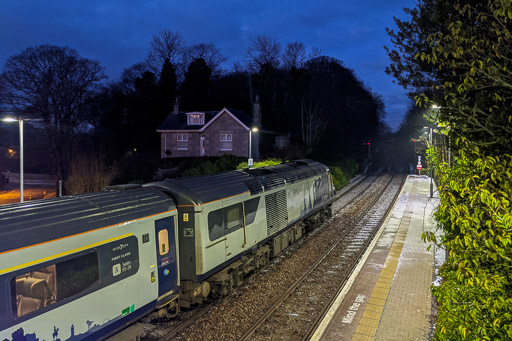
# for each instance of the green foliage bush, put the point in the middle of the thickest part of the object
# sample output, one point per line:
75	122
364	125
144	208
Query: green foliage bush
210	166
263	163
342	171
339	179
475	298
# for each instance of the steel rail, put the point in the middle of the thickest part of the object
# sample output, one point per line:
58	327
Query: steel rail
312	268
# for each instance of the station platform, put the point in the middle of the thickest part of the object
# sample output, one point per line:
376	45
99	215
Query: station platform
388	296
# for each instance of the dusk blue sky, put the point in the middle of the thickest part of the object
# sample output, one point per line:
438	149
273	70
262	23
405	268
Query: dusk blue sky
118	32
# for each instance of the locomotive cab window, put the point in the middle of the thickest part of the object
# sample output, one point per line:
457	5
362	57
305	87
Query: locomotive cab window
42	287
163	242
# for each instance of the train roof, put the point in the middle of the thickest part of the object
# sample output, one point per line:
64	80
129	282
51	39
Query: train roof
40	221
203	189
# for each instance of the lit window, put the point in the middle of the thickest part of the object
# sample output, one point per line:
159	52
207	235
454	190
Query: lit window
163	241
37	289
226	142
195	119
182	143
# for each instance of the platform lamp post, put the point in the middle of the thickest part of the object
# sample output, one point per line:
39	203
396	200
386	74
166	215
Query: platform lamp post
431	162
250	161
430	146
435	107
20	124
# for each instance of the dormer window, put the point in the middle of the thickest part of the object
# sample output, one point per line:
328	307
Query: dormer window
195	118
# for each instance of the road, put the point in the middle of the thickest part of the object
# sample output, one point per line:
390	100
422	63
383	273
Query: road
12	195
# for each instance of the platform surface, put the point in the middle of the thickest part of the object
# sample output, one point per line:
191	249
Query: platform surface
388	297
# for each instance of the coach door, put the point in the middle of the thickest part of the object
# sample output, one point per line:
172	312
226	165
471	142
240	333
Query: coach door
166	255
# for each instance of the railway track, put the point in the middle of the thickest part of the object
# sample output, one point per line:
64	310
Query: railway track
296	314
205	320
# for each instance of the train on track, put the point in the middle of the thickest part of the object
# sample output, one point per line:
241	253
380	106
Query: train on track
87	266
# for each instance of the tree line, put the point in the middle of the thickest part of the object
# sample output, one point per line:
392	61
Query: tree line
314	99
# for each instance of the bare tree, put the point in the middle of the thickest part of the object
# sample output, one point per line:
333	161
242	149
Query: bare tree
264	50
314	53
53	83
166	46
312	122
209	53
130	74
294	55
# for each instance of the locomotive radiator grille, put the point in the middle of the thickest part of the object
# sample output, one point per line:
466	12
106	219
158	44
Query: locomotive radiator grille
277	213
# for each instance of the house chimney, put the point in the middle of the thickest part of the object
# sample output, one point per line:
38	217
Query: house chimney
256	123
176	109
257	112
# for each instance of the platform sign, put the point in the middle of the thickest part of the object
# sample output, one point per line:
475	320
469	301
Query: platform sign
419	166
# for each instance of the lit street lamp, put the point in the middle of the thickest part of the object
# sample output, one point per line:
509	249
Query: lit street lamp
250	161
20	123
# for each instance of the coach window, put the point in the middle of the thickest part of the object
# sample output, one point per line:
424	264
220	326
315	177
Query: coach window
37	289
163	241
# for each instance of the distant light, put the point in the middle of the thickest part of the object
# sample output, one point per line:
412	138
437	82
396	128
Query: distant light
435	106
254	129
9	119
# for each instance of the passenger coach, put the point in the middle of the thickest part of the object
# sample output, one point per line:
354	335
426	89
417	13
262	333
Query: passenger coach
85	266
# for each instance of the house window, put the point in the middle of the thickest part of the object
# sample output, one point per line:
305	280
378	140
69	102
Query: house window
182	141
195	119
226	141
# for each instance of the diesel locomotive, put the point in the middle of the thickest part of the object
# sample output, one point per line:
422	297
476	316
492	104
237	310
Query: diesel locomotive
86	266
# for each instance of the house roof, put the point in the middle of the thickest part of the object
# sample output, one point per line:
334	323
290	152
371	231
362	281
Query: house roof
179	121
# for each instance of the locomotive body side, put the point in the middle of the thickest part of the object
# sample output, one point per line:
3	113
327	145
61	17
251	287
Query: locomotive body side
87	269
232	223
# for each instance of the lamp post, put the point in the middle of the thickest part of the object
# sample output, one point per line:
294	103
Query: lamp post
20	123
431	147
431	163
250	161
